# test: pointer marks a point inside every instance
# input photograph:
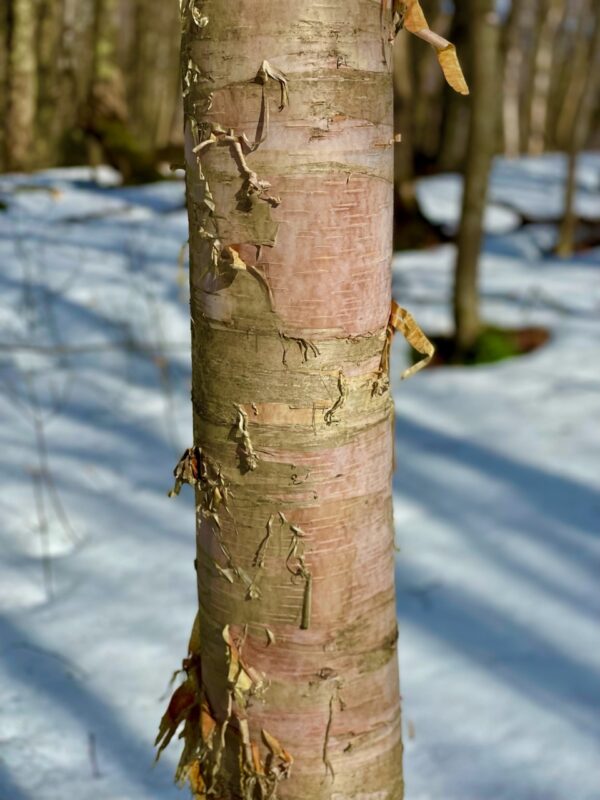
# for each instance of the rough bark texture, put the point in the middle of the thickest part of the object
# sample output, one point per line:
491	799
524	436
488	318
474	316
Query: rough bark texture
290	244
483	129
22	84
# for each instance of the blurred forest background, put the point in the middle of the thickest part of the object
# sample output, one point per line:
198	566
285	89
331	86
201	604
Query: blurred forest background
496	494
83	81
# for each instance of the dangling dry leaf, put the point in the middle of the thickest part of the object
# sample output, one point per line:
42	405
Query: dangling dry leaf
414	18
452	70
415	23
183	699
401	320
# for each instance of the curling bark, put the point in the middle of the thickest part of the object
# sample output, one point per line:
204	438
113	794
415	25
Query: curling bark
483	129
292	671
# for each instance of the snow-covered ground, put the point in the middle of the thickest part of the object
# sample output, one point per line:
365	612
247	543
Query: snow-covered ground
497	506
530	188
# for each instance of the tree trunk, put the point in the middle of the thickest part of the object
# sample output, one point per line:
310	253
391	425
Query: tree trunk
153	83
553	13
4	50
513	66
403	105
51	107
290	209
106	92
587	105
22	84
483	128
569	103
429	93
109	138
454	108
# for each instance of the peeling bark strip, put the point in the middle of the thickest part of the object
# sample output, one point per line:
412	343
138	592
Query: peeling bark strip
403	321
289	143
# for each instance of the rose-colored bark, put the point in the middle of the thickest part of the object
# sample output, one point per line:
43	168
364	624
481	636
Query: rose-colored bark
290	300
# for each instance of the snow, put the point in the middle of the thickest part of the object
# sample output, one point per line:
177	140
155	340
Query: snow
497	509
526	188
496	503
439	198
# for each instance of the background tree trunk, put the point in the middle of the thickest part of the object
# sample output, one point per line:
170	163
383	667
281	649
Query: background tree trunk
153	91
570	100
428	97
403	105
455	110
290	240
110	138
588	102
22	84
4	63
513	66
553	12
51	108
483	129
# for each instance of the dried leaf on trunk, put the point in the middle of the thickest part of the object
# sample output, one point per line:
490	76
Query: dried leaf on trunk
401	320
415	23
183	699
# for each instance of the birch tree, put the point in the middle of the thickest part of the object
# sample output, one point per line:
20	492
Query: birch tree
291	680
